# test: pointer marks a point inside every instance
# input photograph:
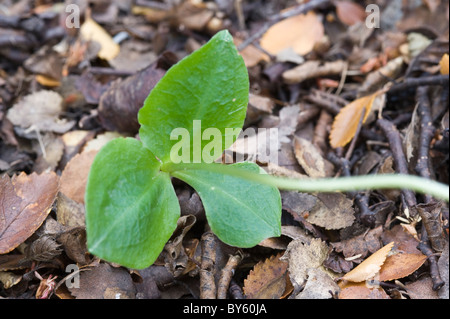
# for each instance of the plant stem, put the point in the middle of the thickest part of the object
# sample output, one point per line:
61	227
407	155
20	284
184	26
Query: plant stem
366	182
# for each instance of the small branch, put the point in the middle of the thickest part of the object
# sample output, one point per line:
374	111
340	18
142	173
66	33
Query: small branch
395	143
416	82
226	275
426	133
207	280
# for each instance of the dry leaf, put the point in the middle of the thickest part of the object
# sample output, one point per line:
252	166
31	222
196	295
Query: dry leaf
75	174
362	291
41	111
360	245
422	289
349	12
251	55
313	69
319	286
309	157
346	122
299	33
332	211
26	202
267	280
369	267
105	282
400	265
444	64
92	31
303	256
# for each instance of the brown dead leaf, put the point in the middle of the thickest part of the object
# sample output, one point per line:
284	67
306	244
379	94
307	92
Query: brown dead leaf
444	64
369	267
362	291
92	31
332	211
313	69
349	12
400	265
267	280
346	122
303	256
421	289
299	33
26	200
251	55
360	245
309	157
75	174
40	110
105	282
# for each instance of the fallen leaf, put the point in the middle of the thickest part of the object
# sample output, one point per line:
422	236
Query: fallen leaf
304	256
349	12
318	286
421	289
444	64
40	110
68	212
400	265
26	202
346	122
362	291
92	31
300	33
75	174
251	55
267	280
332	211
360	245
370	266
105	282
309	157
313	69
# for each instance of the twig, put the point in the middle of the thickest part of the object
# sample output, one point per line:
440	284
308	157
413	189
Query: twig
426	134
226	275
423	81
434	269
235	290
395	143
207	281
302	8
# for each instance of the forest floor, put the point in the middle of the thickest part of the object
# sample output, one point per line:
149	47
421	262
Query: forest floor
353	87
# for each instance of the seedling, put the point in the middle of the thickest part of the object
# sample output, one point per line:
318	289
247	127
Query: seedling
131	205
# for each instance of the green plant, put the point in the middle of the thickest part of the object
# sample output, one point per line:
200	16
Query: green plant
131	205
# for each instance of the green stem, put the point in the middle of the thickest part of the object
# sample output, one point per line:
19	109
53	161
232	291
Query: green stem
354	183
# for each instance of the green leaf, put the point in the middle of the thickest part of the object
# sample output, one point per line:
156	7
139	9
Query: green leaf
210	85
131	206
240	212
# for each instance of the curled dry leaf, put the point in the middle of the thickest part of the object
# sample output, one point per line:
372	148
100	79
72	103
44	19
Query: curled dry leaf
299	33
369	267
346	122
267	280
26	200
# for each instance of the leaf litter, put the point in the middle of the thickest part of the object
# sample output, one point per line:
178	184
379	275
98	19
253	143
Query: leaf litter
61	100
